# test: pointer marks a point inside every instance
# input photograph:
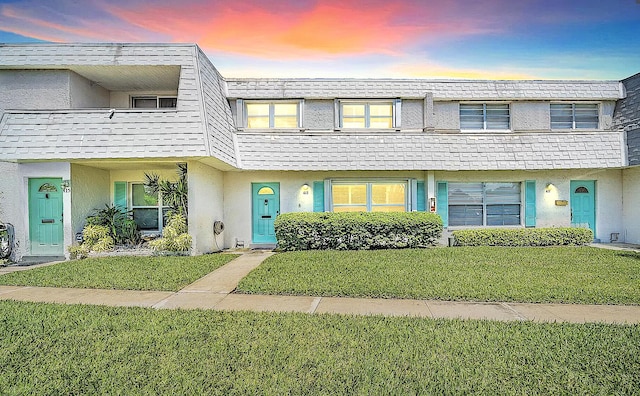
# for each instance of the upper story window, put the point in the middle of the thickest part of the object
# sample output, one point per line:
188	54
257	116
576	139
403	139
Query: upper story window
574	116
370	114
484	116
264	115
153	102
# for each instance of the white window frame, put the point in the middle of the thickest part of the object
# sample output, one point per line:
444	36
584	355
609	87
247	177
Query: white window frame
157	98
411	190
243	113
484	116
160	207
485	204
396	111
573	115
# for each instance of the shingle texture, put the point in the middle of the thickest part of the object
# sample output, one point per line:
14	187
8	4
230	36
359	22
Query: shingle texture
340	151
442	90
627	117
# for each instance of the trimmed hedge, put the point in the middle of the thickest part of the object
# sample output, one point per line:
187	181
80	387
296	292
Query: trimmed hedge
357	230
521	237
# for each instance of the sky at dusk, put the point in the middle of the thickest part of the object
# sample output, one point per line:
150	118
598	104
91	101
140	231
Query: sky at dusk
486	39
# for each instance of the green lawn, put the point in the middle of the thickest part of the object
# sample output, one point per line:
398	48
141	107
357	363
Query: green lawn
125	273
74	349
562	274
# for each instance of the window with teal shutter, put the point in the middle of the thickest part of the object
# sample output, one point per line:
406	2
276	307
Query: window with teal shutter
120	194
421	205
442	202
530	203
318	196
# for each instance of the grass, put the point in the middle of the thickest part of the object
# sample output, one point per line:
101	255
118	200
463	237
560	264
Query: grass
75	349
562	275
124	273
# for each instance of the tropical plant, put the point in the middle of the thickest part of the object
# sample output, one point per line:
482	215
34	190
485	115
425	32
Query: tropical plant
122	228
174	193
175	238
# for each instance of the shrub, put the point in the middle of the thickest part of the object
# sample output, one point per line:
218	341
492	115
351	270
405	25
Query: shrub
174	236
122	228
91	234
78	252
560	236
357	230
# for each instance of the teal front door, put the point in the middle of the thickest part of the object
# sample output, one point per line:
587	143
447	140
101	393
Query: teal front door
45	217
583	204
266	206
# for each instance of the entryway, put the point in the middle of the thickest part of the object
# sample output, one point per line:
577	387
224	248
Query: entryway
46	232
583	204
265	208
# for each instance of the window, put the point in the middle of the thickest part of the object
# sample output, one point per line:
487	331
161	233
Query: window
479	204
153	102
369	196
146	208
574	116
272	115
483	116
375	114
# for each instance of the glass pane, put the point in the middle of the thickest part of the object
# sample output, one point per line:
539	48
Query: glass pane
289	109
48	187
285	122
349	194
465	215
389	194
380	110
141	198
258	109
381	123
388	208
339	209
465	193
168	102
471	116
582	190
503	215
502	193
497	116
353	110
146	219
561	116
265	191
145	103
353	123
258	122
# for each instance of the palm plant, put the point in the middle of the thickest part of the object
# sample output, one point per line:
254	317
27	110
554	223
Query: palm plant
174	193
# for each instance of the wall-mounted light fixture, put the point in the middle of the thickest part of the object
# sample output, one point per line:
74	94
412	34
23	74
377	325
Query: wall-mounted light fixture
549	187
305	189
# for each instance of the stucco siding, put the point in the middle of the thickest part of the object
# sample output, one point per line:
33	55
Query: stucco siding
206	205
34	89
86	94
631	205
446	116
412	114
530	116
318	115
90	190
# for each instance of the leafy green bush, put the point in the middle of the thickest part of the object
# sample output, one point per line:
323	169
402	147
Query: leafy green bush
92	234
560	236
174	236
357	230
78	252
122	228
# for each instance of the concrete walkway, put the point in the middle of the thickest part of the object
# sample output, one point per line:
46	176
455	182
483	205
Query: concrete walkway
215	291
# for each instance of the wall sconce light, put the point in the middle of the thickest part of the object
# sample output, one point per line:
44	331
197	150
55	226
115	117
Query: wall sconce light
549	187
305	189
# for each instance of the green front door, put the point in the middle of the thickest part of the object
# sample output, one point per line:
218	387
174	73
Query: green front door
266	206
583	204
45	217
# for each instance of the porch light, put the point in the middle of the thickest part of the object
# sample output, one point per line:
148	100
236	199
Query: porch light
305	189
549	187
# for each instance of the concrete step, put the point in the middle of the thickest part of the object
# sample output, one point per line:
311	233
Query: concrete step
33	260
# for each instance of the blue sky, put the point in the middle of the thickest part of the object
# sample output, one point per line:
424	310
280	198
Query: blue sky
493	39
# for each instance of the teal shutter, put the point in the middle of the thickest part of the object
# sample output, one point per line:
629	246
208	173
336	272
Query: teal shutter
530	203
318	196
442	202
421	205
120	194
